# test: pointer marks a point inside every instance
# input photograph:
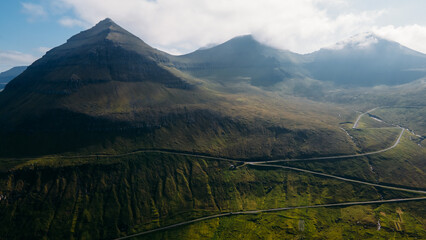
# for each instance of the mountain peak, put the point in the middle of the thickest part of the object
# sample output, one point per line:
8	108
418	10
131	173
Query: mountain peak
106	20
358	41
244	39
107	24
103	53
105	29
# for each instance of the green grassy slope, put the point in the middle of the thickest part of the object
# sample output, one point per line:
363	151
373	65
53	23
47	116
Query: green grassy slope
123	117
409	117
398	221
404	165
106	198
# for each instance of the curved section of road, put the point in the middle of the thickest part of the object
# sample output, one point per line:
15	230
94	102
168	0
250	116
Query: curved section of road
336	157
362	114
339	178
230	159
226	159
272	210
265	164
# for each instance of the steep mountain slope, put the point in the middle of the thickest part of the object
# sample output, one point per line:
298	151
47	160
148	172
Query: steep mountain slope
10	74
102	54
366	60
107	90
80	75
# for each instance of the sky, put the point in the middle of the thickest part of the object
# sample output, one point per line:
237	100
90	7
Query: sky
29	28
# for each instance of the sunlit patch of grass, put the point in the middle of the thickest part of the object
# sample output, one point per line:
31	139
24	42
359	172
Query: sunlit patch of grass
373	139
355	222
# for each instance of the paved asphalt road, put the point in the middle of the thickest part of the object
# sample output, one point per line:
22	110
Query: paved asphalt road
362	114
336	157
265	164
273	210
339	178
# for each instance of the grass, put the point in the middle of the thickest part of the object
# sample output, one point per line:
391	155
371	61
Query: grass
107	199
369	139
403	165
93	198
409	117
355	222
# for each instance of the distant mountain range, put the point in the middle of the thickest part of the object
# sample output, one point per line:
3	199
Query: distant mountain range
106	84
366	60
10	74
363	60
106	79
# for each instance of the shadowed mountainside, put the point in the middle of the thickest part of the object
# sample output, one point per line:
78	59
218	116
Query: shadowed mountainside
106	82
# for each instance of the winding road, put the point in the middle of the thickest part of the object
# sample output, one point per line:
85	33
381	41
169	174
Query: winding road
267	163
362	114
339	178
236	160
337	157
272	210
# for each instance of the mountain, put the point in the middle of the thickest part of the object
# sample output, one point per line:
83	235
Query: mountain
107	90
242	59
104	53
10	74
366	60
105	137
362	60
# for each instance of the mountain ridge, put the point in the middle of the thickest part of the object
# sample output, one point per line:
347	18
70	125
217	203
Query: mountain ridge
366	60
85	89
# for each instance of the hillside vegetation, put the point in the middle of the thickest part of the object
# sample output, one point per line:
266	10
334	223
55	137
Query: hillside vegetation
112	197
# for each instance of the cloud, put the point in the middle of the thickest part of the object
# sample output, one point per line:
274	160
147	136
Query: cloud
185	25
359	41
413	36
72	22
34	11
43	50
9	59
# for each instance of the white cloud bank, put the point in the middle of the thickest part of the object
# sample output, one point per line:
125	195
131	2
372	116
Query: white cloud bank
9	59
34	11
181	26
413	36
